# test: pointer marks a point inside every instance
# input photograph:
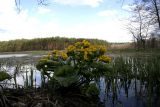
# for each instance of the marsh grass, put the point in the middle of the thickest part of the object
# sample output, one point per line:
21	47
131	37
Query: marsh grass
141	74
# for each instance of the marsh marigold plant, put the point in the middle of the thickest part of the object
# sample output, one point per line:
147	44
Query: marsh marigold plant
77	65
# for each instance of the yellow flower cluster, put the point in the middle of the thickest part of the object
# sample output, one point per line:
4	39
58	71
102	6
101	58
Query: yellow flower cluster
64	55
56	54
105	58
81	51
102	49
71	48
93	48
86	43
85	55
77	44
86	51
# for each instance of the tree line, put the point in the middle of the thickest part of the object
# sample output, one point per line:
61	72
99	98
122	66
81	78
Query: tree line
51	43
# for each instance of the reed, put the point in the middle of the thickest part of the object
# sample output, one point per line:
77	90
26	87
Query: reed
139	73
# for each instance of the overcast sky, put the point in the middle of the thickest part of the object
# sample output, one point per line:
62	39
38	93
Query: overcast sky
101	19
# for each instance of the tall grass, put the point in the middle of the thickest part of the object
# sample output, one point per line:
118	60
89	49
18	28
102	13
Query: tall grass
139	73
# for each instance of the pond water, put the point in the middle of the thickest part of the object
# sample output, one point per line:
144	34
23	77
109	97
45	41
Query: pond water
12	55
132	80
22	66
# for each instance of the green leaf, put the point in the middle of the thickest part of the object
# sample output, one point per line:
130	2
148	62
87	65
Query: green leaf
4	75
92	90
47	65
66	75
65	70
66	81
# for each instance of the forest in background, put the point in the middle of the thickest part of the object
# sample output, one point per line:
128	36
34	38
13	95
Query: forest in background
37	44
60	43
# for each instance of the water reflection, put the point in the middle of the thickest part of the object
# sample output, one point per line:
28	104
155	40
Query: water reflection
132	82
22	70
122	100
12	55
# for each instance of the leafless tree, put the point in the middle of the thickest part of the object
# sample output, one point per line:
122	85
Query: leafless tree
139	23
40	2
18	4
154	9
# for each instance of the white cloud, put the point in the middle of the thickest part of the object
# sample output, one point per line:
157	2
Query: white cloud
17	26
6	6
43	10
112	31
107	13
92	3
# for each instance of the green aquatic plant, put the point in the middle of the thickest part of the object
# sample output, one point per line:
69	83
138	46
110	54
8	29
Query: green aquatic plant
4	75
92	90
66	75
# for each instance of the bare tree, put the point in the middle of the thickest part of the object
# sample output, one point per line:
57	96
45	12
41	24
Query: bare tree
156	4
139	23
154	9
40	2
18	4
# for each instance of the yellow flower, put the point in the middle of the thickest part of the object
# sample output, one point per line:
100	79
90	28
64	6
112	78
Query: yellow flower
80	50
77	44
64	55
93	48
105	59
102	49
55	52
86	43
71	48
86	55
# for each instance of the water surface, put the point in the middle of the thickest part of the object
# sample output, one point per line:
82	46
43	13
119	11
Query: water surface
134	80
12	55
